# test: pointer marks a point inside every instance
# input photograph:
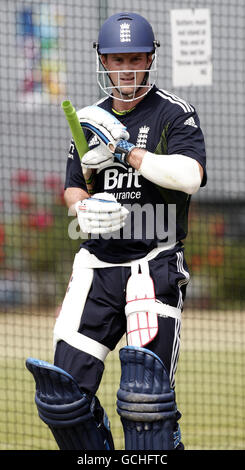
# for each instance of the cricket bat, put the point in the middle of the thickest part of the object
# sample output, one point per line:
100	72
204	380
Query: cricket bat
79	140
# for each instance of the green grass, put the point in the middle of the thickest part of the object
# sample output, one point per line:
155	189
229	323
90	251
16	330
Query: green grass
210	382
210	393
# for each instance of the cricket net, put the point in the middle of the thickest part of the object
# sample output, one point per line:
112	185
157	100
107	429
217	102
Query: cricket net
47	56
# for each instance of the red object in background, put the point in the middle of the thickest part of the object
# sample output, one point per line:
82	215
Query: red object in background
53	182
217	227
23	200
196	262
22	177
41	220
28	85
216	256
2	235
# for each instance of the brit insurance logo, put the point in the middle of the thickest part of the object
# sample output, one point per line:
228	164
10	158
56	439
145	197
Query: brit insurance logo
125	33
142	137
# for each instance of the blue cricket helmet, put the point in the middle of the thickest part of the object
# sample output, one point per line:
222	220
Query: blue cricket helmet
126	32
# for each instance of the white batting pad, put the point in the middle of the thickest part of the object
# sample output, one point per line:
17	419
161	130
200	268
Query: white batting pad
142	321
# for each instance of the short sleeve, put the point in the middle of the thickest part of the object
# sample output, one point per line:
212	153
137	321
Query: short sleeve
185	137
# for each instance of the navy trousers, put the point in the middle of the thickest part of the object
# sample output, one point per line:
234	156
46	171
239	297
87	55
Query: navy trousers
103	318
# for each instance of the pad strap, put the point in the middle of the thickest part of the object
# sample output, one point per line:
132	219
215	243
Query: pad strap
163	310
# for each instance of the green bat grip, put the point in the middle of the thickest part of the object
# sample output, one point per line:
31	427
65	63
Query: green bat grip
76	129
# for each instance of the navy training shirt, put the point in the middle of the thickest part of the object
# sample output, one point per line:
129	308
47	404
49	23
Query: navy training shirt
161	123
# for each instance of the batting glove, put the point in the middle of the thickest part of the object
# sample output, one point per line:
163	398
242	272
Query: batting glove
100	214
122	150
110	131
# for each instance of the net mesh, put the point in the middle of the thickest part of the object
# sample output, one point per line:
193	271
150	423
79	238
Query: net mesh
46	56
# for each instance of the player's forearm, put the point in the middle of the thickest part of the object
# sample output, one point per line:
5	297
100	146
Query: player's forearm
72	195
177	172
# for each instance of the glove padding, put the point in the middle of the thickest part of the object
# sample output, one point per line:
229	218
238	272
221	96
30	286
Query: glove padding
97	157
110	131
100	214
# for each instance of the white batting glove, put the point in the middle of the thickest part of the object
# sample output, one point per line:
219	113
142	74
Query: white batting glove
97	157
111	132
101	213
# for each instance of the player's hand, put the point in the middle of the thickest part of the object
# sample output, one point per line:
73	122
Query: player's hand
101	155
100	214
110	131
97	157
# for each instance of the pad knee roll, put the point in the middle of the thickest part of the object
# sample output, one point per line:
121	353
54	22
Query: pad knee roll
146	403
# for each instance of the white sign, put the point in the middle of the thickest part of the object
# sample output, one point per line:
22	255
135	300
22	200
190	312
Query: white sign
191	47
